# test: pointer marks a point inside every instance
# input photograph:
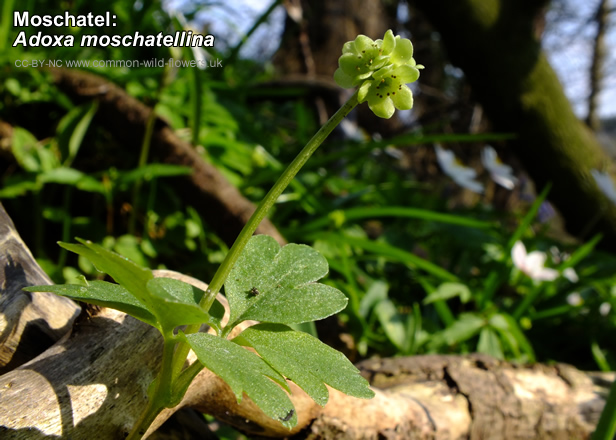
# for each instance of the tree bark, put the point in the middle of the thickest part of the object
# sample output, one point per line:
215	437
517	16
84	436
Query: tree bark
41	318
323	27
94	383
497	45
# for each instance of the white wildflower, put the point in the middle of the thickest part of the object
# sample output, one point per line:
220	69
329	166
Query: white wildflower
502	174
571	275
574	299
532	264
463	176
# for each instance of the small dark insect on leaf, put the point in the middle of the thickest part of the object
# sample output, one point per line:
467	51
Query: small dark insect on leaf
288	416
254	291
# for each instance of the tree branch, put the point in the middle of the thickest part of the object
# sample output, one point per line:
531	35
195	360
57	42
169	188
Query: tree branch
42	318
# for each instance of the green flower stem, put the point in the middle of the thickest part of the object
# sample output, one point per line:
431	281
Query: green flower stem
271	197
283	181
161	396
143	159
606	428
7	12
145	149
66	224
528	300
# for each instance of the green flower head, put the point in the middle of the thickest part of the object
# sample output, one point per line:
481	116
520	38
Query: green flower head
381	68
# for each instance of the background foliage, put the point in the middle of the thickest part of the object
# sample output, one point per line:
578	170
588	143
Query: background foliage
426	265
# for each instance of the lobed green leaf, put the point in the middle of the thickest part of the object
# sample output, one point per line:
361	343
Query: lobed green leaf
275	285
306	361
129	275
489	343
25	148
375	294
152	171
177	303
102	293
71	176
72	129
245	372
393	323
449	290
465	327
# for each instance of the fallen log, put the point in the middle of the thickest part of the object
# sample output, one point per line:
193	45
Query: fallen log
93	384
40	317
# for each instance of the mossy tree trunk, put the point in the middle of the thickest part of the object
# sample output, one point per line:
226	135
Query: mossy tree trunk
497	45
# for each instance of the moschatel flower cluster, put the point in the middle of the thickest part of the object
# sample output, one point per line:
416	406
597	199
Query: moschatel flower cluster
381	69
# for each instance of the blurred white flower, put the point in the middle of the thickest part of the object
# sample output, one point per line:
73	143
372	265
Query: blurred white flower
605	184
200	57
557	257
392	151
605	308
501	173
574	299
532	264
463	176
571	275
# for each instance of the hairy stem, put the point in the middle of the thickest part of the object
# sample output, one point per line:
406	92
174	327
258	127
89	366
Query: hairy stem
161	396
271	197
268	201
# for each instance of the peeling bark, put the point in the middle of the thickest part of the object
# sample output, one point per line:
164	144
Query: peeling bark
40	318
94	385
